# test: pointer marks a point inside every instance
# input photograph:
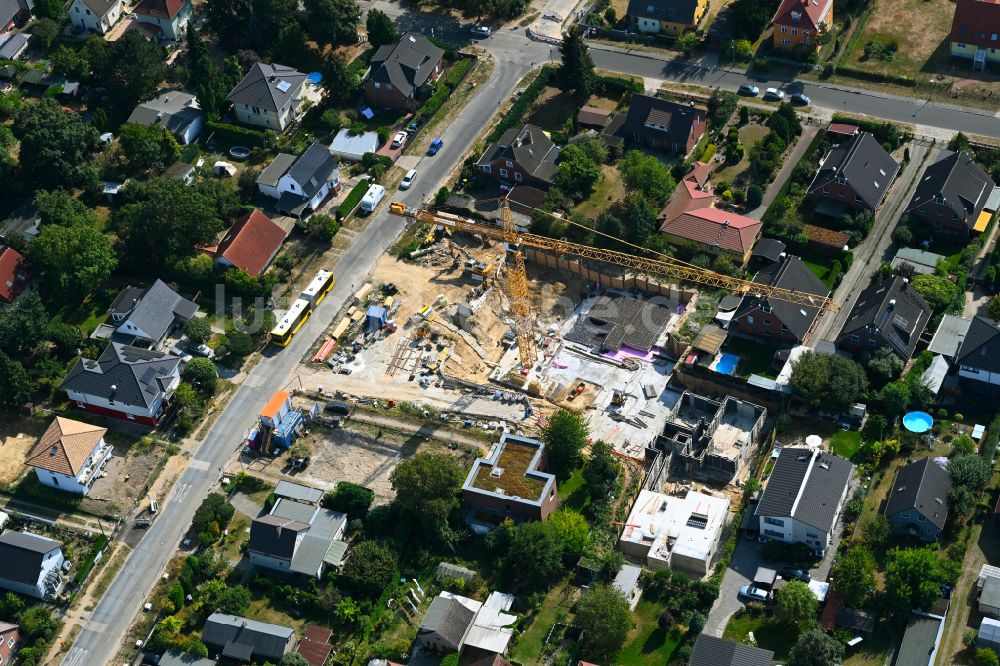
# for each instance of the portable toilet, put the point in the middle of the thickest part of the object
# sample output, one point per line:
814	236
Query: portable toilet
375	318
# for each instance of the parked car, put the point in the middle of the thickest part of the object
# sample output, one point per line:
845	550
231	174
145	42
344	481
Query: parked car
399	139
412	127
749	90
794	574
436	145
800	99
481	31
753	593
204	350
408	179
774	93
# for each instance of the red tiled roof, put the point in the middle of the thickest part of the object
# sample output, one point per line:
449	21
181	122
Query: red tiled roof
688	196
251	242
834	602
160	8
975	22
842	128
824	236
315	645
813	12
716	227
13	274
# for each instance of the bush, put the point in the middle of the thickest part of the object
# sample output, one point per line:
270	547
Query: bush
790	553
236	135
352	200
517	110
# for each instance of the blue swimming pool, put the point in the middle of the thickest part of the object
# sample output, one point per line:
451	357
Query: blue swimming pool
726	364
918	422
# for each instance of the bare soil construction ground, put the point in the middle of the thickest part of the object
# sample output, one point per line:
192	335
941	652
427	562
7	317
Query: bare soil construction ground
16	439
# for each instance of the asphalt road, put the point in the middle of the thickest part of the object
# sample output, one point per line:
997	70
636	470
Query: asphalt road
101	637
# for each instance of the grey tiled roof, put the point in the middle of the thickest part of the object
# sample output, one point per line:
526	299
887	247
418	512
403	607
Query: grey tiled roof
672	11
447	617
806	489
313	168
276	169
894	310
262	86
267	640
919	641
863	162
712	651
275	536
676	119
922	485
100	7
159	308
981	347
129	375
962	184
174	110
407	64
22	554
529	147
789	273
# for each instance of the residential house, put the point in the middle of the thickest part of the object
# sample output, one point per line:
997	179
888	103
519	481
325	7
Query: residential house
663	125
296	536
921	638
70	455
250	244
268	96
953	197
975	32
174	657
125	382
694	191
14	277
672	17
837	132
918	504
799	23
715	231
777	319
948	338
14	13
397	72
32	564
243	640
97	16
510	483
888	314
154	314
492	628
855	175
304	184
803	497
454	623
169	16
175	111
523	156
711	651
978	359
13	46
672	532
10	642
315	645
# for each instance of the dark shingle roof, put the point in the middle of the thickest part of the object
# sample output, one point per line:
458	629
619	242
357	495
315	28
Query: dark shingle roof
159	308
449	618
919	642
806	485
275	536
126	299
981	347
962	184
677	119
529	147
100	7
407	64
174	110
174	657
865	165
266	640
712	651
922	485
22	554
278	167
264	86
130	375
672	11
895	310
312	169
12	47
789	273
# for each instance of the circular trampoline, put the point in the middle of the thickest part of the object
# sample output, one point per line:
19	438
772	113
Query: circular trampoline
918	422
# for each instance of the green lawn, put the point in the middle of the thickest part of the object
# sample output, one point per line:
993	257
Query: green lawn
90	313
606	193
846	443
871	651
749	136
648	644
755	357
573	493
770	635
819	265
528	649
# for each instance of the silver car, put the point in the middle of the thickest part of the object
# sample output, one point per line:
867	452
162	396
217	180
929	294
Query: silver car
749	89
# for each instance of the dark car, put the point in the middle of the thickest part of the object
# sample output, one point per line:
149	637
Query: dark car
800	99
794	574
436	145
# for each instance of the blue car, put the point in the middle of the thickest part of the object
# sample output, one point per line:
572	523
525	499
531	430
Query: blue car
436	145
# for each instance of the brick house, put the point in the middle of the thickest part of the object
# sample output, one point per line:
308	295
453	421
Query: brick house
10	642
715	231
798	23
523	156
14	13
662	125
856	174
775	319
888	314
399	70
510	483
953	197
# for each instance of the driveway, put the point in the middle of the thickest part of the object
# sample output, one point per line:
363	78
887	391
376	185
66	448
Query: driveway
808	134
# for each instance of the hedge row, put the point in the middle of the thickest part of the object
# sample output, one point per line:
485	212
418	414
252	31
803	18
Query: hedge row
455	74
88	563
235	135
515	114
348	205
876	77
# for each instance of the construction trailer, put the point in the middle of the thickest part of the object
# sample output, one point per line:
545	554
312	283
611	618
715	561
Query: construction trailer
279	423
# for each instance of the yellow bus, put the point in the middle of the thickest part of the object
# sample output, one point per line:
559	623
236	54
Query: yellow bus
318	288
290	324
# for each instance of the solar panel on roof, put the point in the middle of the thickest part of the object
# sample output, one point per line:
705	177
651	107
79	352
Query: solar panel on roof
283	86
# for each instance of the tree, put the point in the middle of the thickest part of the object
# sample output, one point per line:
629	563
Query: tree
62	208
235	600
639	220
854	575
914	576
55	145
577	71
370	567
10	606
969	470
961	503
204	77
351	499
755	196
687	43
338	77
830	382
816	648
130	70
381	31
721	106
577	172
15	384
939	292
22	325
293	659
45	32
877	531
987	657
198	329
52	9
535	555
427	488
785	122
201	373
230	20
601	472
70	261
895	398
150	148
994	307
884	364
333	21
572	530
70	63
796	604
564	437
648	176
604	620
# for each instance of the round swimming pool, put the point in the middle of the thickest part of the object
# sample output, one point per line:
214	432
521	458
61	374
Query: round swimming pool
726	364
918	422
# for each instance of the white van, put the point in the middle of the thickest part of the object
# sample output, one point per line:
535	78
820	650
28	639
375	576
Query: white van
408	179
372	197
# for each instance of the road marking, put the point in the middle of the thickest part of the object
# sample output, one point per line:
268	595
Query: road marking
199	464
181	492
76	657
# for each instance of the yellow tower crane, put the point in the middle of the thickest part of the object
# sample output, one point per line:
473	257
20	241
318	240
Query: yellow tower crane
516	280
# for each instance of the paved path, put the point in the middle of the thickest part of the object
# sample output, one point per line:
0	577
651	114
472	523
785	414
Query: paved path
808	134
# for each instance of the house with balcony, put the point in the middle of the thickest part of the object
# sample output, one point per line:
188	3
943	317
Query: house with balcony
975	32
854	176
398	72
269	96
799	23
70	455
144	317
955	197
888	314
978	358
32	564
670	17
